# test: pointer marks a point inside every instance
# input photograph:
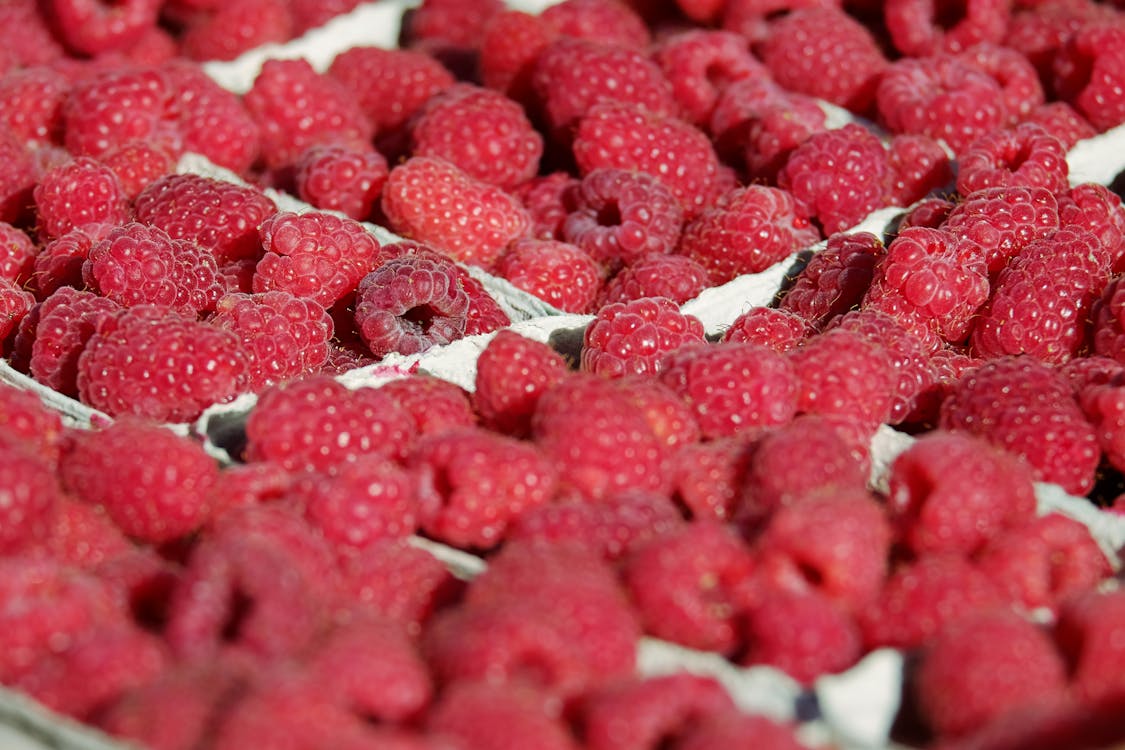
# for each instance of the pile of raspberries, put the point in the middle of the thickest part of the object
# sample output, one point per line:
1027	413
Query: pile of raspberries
715	491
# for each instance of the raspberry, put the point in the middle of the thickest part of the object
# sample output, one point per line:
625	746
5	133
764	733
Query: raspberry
747	230
751	18
1044	562
152	362
410	304
558	273
17	254
315	254
1089	635
1036	418
317	424
220	216
929	213
451	26
1103	406
18	180
707	476
732	387
297	107
1018	79
512	372
339	178
823	52
778	329
671	419
628	136
585	428
483	132
1098	209
470	220
393	579
65	322
117	106
389	85
311	14
546	200
677	277
1072	269
1003	220
572	75
1062	121
34	99
91	28
212	121
942	97
284	336
1039	33
137	164
919	166
919	28
980	668
729	728
1088	74
15	303
475	714
512	40
83	535
835	279
687	585
27	420
1107	334
235	27
30	495
138	264
841	372
837	176
1024	155
436	405
614	23
633	337
27	35
700	63
78	193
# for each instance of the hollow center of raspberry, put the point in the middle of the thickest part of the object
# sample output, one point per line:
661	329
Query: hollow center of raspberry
609	215
948	14
420	318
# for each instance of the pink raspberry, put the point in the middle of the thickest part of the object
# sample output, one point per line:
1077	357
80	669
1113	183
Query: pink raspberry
1089	635
1107	333
633	337
1003	220
92	29
15	304
235	27
392	578
116	106
511	41
804	634
213	122
919	166
920	28
669	416
929	213
19	178
138	164
64	322
1025	155
151	362
512	372
677	277
449	27
1027	408
841	372
559	273
311	14
1104	407
747	230
700	63
317	424
707	477
27	35
1088	73
481	714
1098	209
339	178
1062	121
31	494
78	193
17	254
34	97
546	199
1040	32
59	262
835	279
434	404
1018	78
780	330
28	420
615	23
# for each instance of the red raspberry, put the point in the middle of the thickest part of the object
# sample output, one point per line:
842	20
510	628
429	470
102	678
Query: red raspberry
632	337
628	136
390	85
670	418
27	35
1018	79
284	336
841	372
919	28
436	405
751	18
559	273
311	14
512	40
90	28
919	166
29	497
1089	635
824	52
138	264
65	322
778	329
470	220
1044	562
34	99
732	387
17	254
1088	74
152	362
1107	333
449	26
138	164
113	468
316	254
677	277
78	193
804	634
1098	209
1070	268
837	176
479	714
1062	121
391	578
747	230
339	178
981	667
297	107
512	372
1024	155
482	131
586	428
728	729
410	304
546	199
942	97
19	178
235	27
612	22
620	215
15	303
707	476
84	536
1027	408
317	424
700	64
572	75
27	420
835	279
688	585
1104	407
220	216
1040	32
929	213
212	121
117	106
1003	220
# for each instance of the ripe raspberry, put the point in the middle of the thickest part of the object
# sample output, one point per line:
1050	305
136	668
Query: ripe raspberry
546	199
479	714
511	41
613	23
29	497
841	372
315	254
1036	418
823	52
628	136
92	29
27	35
633	337
512	372
410	304
211	120
929	213
1103	405
1107	332
728	729
152	362
747	230
670	418
1003	220
17	254
700	64
449	27
707	476
918	28
780	330
835	279
389	85
1088	73
64	322
732	387
235	27
1044	562
1018	79
138	264
138	164
117	106
483	132
942	97
393	579
338	178
470	220
1062	121
15	304
18	180
78	193
311	14
1095	207
25	419
1089	635
688	585
1024	155
677	277
284	336
919	166
837	176
34	98
585	427
434	404
221	216
296	107
559	273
